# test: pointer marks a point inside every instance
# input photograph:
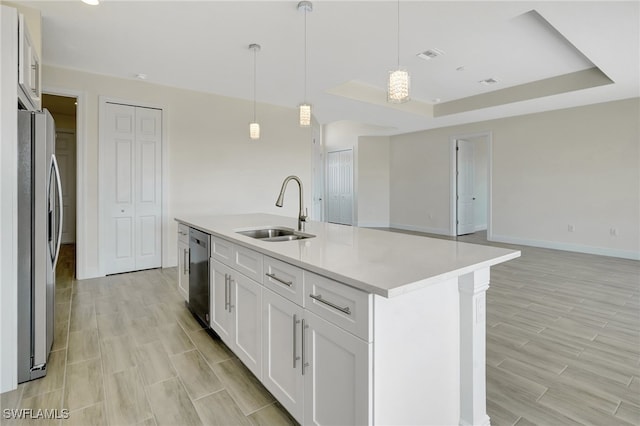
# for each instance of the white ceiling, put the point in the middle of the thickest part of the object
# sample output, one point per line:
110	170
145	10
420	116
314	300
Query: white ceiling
203	45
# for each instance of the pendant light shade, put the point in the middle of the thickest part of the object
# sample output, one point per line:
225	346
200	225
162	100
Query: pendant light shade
398	90
398	87
254	127
305	115
254	130
305	108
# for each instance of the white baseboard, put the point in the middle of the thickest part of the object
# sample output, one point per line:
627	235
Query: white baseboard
602	251
427	230
373	224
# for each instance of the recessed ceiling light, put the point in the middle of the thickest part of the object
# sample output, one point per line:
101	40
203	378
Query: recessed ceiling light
436	100
91	2
141	76
488	81
430	54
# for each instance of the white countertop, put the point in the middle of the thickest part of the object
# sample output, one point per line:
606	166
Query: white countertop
379	262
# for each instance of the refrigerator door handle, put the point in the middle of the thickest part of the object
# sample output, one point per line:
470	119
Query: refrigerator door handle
54	164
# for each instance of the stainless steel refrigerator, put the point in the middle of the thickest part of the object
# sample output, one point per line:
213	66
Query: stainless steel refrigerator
39	232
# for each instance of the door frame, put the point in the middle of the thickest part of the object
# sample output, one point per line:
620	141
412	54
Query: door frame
453	180
102	110
81	175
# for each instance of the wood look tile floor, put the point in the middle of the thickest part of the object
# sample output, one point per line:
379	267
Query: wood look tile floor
563	348
128	352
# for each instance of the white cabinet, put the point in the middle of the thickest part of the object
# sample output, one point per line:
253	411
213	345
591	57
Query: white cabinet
282	352
320	373
28	68
236	314
246	309
337	370
183	261
220	317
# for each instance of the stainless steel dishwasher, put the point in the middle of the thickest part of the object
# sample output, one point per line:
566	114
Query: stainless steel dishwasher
199	243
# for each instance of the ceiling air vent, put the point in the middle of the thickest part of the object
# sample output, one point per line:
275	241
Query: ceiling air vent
430	54
488	81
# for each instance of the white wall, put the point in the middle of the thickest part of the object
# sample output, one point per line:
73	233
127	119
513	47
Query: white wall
212	165
577	166
347	134
373	181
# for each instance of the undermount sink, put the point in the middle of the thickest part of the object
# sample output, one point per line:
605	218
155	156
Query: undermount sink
275	234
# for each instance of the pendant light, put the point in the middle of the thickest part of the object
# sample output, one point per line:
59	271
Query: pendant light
305	108
398	89
254	126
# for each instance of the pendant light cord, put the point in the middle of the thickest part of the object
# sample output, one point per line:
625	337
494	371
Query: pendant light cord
398	34
255	56
305	55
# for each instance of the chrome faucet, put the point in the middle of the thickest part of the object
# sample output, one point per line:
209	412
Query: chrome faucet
302	217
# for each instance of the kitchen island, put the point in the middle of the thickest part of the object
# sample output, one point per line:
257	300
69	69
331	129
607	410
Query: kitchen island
354	325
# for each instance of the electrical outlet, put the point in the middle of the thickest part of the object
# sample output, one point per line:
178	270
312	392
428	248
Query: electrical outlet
613	232
571	228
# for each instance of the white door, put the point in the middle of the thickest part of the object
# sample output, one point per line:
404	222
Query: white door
66	156
220	318
337	377
246	311
282	352
340	187
132	188
465	187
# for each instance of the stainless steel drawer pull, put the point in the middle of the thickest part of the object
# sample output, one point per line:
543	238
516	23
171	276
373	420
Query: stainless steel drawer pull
319	298
280	280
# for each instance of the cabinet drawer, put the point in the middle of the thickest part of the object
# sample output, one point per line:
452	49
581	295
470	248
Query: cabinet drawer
248	262
183	233
344	306
284	279
222	251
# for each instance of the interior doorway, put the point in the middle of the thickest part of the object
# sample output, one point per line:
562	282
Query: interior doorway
471	184
64	112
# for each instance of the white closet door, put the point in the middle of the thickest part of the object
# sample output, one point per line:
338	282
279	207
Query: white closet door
131	188
340	187
346	187
333	196
148	188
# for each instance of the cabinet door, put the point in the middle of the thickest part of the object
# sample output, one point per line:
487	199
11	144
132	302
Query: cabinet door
337	375
246	310
220	291
282	350
183	270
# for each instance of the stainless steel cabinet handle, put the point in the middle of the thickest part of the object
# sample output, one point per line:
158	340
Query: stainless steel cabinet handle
295	340
185	261
230	292
280	280
319	298
304	349
226	292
